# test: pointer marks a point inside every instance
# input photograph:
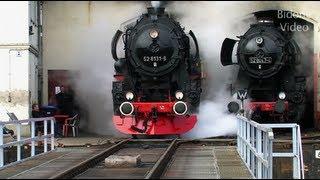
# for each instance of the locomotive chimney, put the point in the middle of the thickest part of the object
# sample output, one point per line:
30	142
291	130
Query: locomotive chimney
265	20
264	17
156	11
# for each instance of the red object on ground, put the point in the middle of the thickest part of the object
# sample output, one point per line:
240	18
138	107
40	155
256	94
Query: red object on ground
61	117
166	122
64	119
264	106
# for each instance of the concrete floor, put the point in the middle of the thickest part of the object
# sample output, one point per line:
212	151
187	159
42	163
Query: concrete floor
85	139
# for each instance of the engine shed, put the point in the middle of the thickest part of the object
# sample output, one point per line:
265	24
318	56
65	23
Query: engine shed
52	47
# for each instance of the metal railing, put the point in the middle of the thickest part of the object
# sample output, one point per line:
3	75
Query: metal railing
296	154
20	142
255	146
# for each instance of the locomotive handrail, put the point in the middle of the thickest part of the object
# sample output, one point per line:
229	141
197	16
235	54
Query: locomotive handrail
114	44
255	147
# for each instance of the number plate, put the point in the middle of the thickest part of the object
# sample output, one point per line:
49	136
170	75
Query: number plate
317	154
154	58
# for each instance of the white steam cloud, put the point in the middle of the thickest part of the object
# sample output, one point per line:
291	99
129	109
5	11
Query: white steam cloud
156	4
213	120
93	82
211	29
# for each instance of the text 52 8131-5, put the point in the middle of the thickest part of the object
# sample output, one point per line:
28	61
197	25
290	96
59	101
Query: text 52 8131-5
154	58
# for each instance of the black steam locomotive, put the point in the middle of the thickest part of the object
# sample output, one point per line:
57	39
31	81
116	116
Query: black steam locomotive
158	82
269	60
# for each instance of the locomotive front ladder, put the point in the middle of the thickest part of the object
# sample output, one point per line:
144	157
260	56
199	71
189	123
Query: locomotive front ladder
255	147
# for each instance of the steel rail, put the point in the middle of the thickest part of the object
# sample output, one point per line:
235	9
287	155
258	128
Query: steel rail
155	172
91	162
158	169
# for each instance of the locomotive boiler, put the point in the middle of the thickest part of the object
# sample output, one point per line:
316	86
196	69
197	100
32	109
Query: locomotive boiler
157	83
269	60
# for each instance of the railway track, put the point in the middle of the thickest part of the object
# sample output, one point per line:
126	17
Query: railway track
165	158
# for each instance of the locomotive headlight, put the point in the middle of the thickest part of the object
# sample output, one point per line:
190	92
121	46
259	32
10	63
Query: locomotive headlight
154	34
126	108
129	96
179	95
180	108
282	95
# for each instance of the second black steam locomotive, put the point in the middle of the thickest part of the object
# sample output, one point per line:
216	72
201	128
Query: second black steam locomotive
158	82
269	60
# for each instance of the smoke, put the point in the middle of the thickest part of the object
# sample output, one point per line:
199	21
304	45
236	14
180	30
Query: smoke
94	75
211	30
213	119
156	4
